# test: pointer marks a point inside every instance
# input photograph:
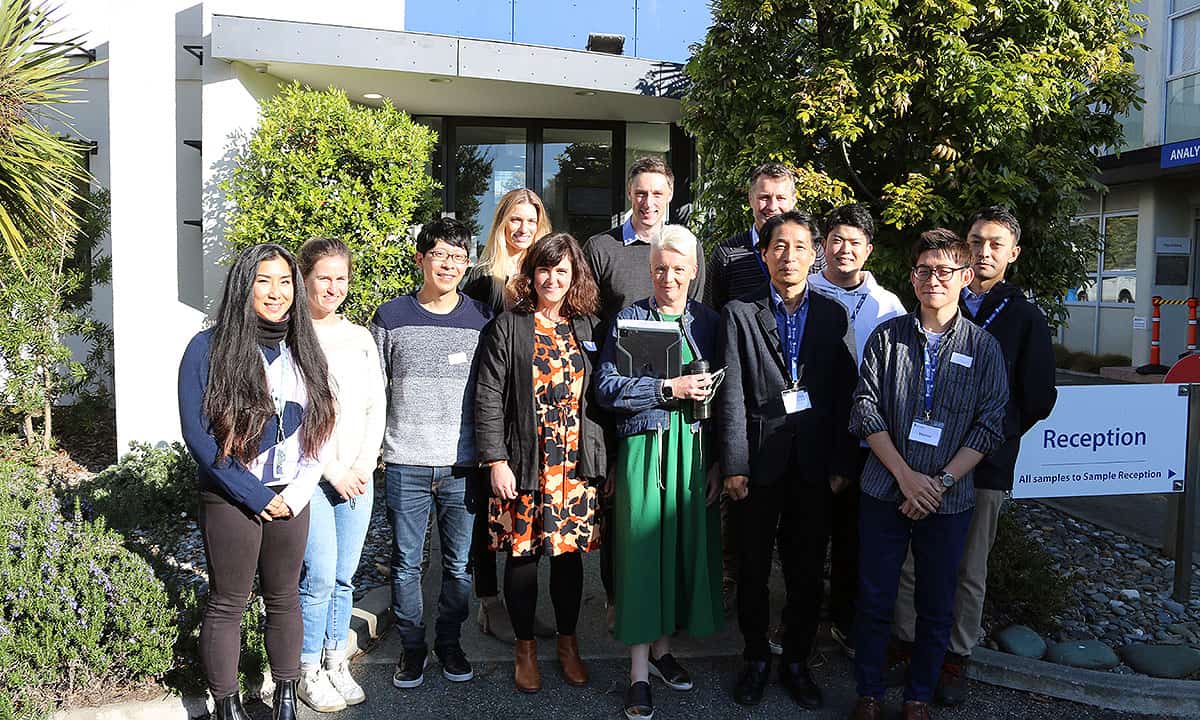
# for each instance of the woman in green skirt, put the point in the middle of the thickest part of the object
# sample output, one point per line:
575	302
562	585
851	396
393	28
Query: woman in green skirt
667	559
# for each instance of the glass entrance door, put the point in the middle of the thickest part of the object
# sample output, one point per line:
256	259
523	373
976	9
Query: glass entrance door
577	177
488	162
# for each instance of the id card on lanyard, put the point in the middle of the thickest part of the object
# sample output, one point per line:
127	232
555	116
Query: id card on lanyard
276	384
925	429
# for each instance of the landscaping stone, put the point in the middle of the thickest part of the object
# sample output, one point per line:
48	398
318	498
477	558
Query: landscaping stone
1087	654
1020	640
1130	594
1164	661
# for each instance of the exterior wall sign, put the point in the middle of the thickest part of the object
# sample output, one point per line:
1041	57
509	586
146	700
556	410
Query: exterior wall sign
1186	152
1106	440
1167	245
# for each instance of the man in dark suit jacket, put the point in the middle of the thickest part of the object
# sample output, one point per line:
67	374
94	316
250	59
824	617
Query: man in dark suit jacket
782	416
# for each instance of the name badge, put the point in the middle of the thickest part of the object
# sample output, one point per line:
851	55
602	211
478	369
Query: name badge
960	359
795	400
457	358
926	432
278	461
589	346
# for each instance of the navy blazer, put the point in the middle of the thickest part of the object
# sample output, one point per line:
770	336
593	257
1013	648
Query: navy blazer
758	438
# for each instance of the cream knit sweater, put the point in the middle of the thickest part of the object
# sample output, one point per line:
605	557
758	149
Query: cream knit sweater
357	379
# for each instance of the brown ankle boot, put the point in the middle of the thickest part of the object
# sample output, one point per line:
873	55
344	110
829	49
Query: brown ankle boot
526	675
568	656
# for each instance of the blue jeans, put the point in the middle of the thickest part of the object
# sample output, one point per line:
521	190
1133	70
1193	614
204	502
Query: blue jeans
937	547
412	491
336	531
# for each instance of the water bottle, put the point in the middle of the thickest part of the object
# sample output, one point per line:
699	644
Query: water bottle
700	408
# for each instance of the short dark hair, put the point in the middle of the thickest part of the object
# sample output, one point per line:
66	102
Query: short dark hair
941	240
855	216
791	216
998	214
650	164
448	230
774	170
582	298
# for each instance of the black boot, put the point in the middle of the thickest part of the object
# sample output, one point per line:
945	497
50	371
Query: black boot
284	706
229	708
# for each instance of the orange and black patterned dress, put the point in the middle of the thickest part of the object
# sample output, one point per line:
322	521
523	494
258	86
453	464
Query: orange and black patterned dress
559	517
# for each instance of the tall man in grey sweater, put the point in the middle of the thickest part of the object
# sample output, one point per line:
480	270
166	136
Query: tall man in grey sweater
427	345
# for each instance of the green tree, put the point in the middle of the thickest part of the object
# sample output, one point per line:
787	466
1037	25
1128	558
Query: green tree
40	172
45	302
318	165
924	110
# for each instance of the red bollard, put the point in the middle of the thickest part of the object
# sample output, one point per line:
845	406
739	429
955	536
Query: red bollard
1154	320
1192	303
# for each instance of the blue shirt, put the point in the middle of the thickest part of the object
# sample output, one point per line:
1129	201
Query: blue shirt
628	235
972	301
791	328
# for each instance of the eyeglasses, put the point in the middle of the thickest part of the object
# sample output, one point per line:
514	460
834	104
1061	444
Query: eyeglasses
942	272
442	256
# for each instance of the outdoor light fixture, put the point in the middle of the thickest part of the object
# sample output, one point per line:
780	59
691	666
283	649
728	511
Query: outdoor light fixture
585	93
372	96
606	43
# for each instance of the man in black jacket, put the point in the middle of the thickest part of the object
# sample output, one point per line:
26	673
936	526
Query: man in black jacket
782	416
1024	336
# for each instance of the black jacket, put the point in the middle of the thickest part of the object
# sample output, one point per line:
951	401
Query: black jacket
1024	338
757	436
505	417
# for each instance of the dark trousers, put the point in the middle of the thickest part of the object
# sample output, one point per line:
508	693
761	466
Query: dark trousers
236	546
937	546
521	592
483	558
797	518
843	548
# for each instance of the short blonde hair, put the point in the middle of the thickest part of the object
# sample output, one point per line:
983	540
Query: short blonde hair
676	238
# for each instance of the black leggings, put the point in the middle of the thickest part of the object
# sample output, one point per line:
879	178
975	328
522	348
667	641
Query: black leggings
521	591
237	545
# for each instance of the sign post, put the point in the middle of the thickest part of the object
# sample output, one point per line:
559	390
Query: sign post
1185	533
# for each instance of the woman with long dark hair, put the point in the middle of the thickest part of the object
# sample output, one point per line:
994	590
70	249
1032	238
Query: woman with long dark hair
537	432
256	411
340	512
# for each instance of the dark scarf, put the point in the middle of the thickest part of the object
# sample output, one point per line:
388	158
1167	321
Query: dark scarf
270	333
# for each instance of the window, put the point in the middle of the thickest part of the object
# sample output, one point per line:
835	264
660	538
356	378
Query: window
1183	79
1115	266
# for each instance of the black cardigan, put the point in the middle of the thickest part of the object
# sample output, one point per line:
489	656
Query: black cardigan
505	416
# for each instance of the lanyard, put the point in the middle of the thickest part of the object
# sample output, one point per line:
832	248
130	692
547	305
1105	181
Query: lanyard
276	385
994	314
854	315
931	364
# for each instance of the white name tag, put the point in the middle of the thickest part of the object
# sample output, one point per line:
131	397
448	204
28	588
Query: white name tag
589	346
960	359
795	401
926	432
457	358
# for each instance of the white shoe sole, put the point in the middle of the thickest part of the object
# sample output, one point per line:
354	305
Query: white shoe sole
638	717
409	684
466	677
321	708
674	686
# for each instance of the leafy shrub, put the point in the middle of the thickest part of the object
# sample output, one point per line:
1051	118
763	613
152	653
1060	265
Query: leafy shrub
1023	586
148	487
319	165
79	612
1082	361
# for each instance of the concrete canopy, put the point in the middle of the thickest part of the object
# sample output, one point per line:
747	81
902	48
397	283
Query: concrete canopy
441	75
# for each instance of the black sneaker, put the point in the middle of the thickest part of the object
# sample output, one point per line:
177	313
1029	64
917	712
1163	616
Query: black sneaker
410	671
455	666
638	705
668	669
752	682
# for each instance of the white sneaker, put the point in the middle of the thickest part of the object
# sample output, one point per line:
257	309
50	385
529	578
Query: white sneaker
317	692
337	670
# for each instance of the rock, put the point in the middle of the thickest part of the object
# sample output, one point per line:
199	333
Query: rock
1087	654
1130	594
1162	661
1116	604
1022	641
1099	597
1173	607
1142	564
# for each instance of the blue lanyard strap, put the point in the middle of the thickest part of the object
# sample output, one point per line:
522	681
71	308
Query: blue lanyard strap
277	387
931	363
995	313
854	315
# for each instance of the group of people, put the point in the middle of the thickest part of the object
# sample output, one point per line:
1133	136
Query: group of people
811	412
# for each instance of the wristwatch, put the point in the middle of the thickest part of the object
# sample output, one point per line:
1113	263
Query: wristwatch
947	479
667	393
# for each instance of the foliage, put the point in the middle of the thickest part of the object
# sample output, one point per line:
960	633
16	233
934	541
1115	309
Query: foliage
149	487
1086	362
40	172
42	304
80	612
924	110
1023	586
318	165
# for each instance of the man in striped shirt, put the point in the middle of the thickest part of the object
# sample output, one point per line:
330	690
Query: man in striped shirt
930	403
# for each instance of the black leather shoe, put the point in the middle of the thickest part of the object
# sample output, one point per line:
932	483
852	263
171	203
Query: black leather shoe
229	708
752	682
638	704
800	685
284	705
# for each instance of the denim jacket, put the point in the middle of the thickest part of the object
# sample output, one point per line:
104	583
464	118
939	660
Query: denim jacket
637	404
